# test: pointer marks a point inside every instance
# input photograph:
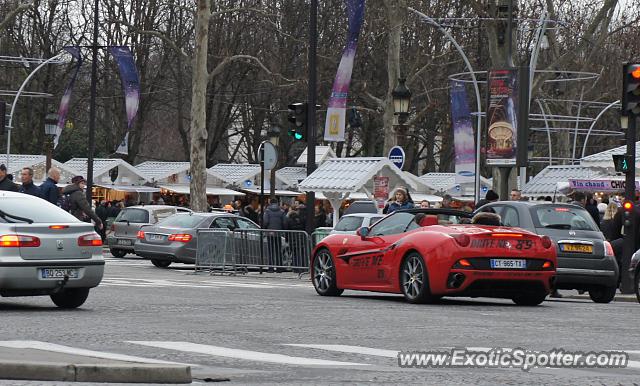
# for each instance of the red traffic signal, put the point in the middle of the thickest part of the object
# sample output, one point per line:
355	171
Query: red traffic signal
636	73
631	89
628	206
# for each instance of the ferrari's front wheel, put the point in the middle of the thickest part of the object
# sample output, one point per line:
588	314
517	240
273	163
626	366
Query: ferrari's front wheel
529	299
324	274
414	280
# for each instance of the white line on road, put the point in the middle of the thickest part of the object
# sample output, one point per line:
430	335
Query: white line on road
244	354
45	346
351	349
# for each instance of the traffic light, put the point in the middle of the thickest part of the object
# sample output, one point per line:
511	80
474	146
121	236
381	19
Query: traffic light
628	210
631	89
620	162
298	116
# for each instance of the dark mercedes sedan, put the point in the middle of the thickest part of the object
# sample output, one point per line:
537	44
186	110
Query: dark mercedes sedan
585	259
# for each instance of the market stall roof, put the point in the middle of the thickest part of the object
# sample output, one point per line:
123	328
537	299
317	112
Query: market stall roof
38	164
158	170
234	174
446	181
15	162
286	193
604	159
291	176
323	153
127	173
133	188
348	175
184	189
546	182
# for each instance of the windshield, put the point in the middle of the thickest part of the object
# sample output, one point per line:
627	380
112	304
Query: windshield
36	209
563	217
349	223
134	215
181	221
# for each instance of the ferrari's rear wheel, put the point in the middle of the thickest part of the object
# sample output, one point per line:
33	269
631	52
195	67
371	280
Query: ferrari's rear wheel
324	274
529	299
414	280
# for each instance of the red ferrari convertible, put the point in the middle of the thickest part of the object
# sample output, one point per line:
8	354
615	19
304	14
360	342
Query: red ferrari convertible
426	254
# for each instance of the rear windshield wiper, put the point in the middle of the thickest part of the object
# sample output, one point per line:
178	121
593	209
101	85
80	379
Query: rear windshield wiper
558	226
6	216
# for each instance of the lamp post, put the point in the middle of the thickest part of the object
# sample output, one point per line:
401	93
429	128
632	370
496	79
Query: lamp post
274	138
401	101
50	130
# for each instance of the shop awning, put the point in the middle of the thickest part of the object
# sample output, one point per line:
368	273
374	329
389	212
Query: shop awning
286	193
127	188
184	189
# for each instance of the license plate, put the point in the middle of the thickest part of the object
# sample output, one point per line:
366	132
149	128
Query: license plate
508	263
58	273
124	242
156	237
577	248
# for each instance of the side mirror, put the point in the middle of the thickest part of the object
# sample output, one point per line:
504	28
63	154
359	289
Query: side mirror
363	232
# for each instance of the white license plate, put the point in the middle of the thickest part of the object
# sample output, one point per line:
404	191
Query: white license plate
156	237
59	273
508	264
124	242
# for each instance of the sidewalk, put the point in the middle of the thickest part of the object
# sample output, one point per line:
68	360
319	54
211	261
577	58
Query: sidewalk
40	365
630	298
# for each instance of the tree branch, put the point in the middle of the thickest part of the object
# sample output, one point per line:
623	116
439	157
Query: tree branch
249	59
21	8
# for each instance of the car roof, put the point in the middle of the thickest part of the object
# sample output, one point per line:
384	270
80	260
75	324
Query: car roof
535	203
369	215
151	207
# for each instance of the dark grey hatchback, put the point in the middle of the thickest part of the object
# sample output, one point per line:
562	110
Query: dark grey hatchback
585	259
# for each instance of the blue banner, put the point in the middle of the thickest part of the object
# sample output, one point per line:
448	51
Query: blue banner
463	140
66	97
130	87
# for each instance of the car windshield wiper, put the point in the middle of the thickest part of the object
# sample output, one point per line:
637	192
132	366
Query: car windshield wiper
6	216
558	226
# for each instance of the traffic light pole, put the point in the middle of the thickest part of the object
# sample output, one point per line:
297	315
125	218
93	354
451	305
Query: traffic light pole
629	244
311	111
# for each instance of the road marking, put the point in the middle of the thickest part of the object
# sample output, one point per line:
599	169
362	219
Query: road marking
45	346
351	349
213	283
244	354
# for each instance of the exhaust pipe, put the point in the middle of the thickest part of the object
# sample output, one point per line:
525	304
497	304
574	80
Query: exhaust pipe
455	280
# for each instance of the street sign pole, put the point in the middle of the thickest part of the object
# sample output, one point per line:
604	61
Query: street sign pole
629	244
311	111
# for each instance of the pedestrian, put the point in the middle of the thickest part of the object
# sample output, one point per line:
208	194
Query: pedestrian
607	226
5	181
320	217
578	198
103	213
516	195
274	218
250	211
296	217
446	201
591	206
401	201
28	187
48	189
424	204
79	206
491	196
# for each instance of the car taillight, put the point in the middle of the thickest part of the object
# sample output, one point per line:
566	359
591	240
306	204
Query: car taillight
58	227
90	240
140	235
546	242
608	249
463	263
22	241
547	265
462	239
182	237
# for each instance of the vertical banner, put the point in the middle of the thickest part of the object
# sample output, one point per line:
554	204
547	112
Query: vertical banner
337	107
381	190
130	87
463	139
502	123
66	97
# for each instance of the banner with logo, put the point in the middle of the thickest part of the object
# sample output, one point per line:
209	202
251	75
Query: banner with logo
599	185
337	107
381	190
130	87
502	121
463	139
66	97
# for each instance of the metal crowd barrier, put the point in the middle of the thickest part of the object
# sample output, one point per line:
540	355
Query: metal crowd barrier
245	249
319	234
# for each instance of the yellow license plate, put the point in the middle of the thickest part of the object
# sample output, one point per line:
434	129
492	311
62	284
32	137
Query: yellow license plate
577	248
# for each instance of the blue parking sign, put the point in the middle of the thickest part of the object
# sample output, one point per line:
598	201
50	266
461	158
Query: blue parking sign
396	156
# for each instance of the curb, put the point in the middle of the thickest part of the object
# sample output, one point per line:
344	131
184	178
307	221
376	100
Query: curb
618	298
113	373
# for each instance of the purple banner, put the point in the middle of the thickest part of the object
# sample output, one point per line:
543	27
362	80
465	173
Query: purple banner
337	106
66	97
463	140
130	85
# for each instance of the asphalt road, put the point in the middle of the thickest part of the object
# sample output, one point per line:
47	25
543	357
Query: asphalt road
275	329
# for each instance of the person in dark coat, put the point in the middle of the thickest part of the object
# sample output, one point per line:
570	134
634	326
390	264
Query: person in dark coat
297	217
103	212
28	187
320	217
591	206
251	211
48	189
5	181
491	196
607	226
401	201
80	207
274	218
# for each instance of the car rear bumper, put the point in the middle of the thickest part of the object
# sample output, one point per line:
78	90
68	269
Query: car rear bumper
587	273
24	276
500	284
114	243
163	252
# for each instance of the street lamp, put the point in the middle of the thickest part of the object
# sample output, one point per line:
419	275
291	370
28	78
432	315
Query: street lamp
50	131
401	101
274	135
274	138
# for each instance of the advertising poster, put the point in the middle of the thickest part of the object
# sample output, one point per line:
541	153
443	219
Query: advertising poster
381	190
502	126
463	140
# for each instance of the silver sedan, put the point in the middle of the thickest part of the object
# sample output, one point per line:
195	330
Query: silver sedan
46	251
